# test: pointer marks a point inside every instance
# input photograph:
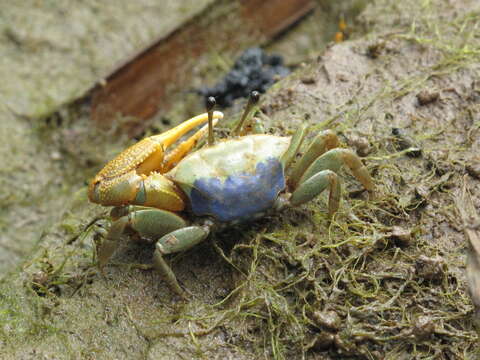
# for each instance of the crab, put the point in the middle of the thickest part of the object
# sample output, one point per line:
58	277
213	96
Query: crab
177	199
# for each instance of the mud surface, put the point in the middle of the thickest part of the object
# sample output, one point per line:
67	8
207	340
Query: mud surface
384	280
54	52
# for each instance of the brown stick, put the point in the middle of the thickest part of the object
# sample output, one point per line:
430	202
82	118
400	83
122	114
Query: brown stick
143	84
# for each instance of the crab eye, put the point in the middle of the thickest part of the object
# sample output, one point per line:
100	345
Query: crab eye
254	96
252	101
210	103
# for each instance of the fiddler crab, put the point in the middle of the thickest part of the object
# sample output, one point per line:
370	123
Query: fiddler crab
176	199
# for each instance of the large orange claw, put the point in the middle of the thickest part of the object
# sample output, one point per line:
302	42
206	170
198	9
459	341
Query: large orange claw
134	176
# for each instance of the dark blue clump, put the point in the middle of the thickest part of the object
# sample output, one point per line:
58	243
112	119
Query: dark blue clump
240	196
253	70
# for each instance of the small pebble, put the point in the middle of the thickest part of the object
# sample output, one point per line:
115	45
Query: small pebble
424	328
474	170
361	145
402	236
328	319
55	155
430	268
425	97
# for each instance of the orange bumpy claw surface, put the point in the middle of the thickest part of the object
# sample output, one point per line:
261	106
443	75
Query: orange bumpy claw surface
134	176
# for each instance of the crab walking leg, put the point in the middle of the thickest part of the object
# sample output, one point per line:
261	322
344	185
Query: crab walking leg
333	160
147	222
313	186
322	173
294	146
324	141
252	101
176	241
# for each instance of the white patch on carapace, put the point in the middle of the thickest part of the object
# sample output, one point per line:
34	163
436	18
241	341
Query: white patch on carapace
226	158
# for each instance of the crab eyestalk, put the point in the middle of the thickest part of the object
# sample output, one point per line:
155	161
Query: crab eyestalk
252	101
211	102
